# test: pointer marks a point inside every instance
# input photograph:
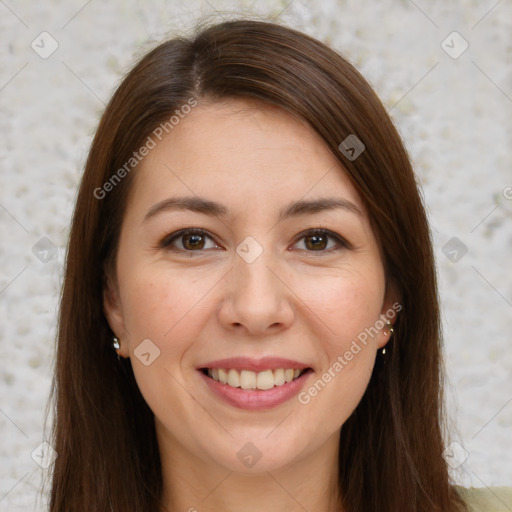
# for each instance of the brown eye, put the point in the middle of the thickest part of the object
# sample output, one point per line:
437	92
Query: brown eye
193	241
318	240
187	240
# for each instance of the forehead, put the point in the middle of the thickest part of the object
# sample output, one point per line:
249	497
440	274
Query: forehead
241	151
234	128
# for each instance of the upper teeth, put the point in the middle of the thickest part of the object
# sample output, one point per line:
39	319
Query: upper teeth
247	379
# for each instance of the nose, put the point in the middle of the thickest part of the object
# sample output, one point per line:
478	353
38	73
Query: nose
257	299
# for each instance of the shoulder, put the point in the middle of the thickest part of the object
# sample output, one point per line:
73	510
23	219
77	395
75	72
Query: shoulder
486	499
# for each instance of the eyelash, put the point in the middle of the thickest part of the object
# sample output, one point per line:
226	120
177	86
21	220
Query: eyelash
169	239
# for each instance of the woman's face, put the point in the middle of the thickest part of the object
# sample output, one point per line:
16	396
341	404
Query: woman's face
251	294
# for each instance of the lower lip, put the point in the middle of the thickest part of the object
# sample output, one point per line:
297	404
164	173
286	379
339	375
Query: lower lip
256	399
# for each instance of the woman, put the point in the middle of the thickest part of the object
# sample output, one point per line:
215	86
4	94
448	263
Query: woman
249	237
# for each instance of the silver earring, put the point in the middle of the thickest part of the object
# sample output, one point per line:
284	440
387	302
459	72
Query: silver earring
391	331
115	343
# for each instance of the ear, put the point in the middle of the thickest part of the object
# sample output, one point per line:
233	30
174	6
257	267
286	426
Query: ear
114	313
391	308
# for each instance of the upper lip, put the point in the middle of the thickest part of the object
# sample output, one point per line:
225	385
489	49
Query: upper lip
256	365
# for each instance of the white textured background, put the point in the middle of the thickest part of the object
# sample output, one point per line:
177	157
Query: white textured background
455	115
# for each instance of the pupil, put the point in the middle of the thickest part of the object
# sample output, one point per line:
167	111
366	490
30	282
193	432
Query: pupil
196	243
316	243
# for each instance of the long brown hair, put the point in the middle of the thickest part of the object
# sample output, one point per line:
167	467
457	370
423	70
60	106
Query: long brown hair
391	446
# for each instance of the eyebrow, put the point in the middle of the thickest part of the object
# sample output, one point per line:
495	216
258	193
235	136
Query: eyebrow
213	209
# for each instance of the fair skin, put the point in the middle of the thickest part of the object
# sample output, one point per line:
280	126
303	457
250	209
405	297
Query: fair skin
198	300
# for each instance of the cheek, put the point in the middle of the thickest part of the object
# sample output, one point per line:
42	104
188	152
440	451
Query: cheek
170	309
345	303
347	306
159	302
167	308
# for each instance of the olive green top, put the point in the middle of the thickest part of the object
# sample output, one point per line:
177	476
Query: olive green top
487	499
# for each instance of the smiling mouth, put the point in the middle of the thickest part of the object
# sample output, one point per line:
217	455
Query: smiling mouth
247	379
